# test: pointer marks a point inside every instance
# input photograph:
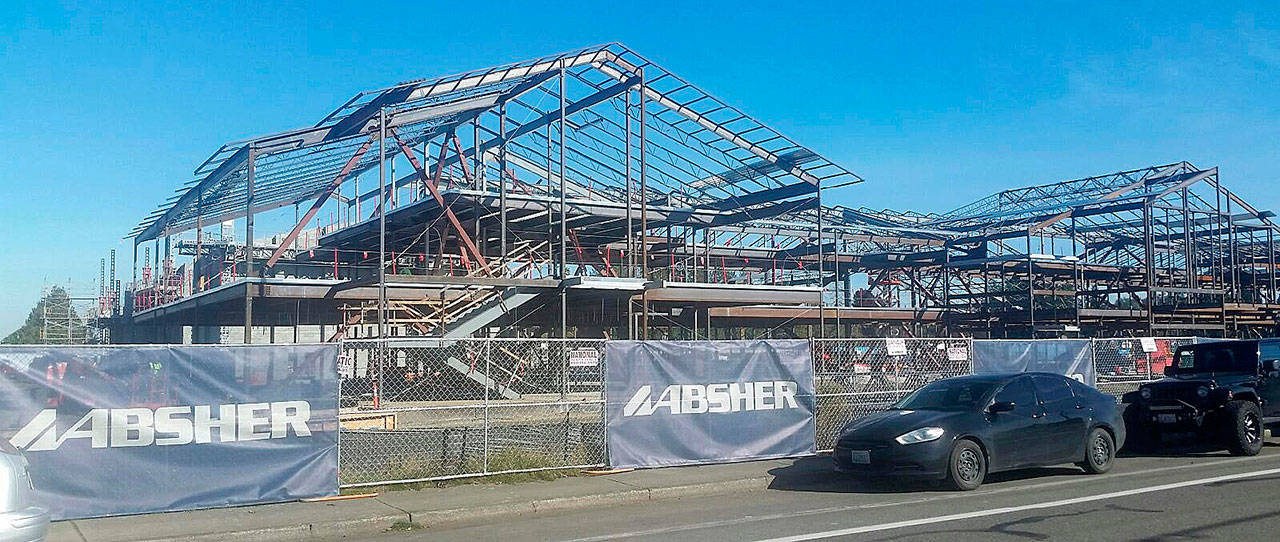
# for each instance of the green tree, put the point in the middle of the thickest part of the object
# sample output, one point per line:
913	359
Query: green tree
29	332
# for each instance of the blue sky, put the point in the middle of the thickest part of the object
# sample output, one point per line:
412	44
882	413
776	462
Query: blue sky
107	108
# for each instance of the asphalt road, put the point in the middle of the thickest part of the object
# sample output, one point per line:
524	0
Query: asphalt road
1183	495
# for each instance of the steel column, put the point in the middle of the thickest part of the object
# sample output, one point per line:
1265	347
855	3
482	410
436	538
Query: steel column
644	213
1271	264
196	286
248	247
134	285
1149	267
822	271
563	231
1031	287
629	261
382	252
502	188
564	238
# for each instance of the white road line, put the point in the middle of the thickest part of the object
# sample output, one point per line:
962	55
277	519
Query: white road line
985	491
1012	509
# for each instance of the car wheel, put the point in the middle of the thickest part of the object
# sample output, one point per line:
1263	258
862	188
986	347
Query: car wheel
968	466
1244	435
1099	452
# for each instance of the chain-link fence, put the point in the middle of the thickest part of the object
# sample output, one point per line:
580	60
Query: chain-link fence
1123	364
431	409
857	377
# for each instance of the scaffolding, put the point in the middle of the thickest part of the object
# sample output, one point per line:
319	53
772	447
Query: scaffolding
68	317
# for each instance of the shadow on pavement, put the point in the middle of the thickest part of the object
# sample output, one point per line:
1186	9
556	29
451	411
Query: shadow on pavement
816	474
1184	446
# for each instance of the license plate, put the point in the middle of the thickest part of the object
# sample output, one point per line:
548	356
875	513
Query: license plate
860	457
1167	418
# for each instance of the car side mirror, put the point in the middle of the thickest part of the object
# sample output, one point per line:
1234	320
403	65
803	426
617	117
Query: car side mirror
1170	370
1001	406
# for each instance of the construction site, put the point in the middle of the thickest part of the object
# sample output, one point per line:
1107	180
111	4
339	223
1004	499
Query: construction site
593	194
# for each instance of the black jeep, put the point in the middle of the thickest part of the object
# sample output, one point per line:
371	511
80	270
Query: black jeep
1226	391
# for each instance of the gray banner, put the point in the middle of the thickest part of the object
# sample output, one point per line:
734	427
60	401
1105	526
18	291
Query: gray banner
689	402
1068	357
128	430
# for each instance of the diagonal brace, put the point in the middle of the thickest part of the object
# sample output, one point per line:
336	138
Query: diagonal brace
431	184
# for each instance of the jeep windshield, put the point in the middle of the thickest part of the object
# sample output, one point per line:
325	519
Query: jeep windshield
953	394
1223	357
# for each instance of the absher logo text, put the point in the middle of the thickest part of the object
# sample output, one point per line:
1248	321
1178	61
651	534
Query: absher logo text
168	426
714	398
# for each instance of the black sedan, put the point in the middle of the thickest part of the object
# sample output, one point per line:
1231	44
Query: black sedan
960	429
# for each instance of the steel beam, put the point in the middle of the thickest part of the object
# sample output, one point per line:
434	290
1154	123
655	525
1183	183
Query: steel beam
431	184
315	207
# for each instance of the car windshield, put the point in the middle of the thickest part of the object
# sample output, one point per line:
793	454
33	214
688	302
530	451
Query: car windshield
1223	357
962	394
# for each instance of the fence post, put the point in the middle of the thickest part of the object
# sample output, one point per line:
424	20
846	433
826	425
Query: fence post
969	343
813	366
604	400
488	373
1151	373
1093	358
814	355
897	370
377	382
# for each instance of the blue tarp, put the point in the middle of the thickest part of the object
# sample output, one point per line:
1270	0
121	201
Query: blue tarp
688	402
128	430
1067	357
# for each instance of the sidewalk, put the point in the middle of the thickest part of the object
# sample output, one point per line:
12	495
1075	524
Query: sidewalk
444	506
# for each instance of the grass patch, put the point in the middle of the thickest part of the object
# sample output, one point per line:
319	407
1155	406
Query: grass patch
404	526
503	460
833	412
514	459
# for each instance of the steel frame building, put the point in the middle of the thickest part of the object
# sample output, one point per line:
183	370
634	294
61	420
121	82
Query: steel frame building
593	193
1162	249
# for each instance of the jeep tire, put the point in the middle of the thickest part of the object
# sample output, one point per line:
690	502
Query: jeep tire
1244	429
1143	436
967	467
1099	452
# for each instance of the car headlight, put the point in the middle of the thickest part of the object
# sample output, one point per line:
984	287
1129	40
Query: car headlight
924	434
1202	392
1145	393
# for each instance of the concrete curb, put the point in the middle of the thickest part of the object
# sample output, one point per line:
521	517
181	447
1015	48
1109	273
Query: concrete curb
356	528
346	527
564	504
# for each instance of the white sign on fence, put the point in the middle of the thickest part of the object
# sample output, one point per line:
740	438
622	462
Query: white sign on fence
957	353
584	357
1148	344
346	366
896	346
